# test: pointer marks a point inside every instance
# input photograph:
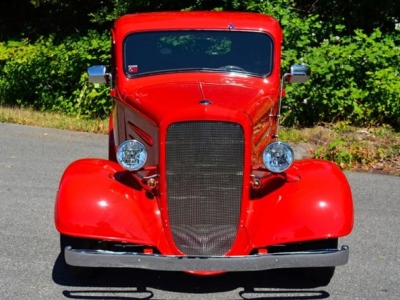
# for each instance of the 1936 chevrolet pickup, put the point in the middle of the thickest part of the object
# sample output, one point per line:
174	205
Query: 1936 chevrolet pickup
196	179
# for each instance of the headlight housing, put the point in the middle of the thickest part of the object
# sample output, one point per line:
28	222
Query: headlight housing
278	157
132	155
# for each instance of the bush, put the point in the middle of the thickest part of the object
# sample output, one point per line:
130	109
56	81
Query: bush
354	78
49	76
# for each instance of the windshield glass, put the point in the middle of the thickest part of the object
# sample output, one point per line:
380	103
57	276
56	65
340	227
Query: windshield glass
147	53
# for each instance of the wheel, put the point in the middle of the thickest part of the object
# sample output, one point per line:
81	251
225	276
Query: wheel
77	243
308	277
320	276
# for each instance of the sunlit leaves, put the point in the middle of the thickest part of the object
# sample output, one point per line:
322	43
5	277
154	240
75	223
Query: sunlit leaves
52	77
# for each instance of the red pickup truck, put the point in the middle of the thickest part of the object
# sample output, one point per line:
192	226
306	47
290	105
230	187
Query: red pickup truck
197	179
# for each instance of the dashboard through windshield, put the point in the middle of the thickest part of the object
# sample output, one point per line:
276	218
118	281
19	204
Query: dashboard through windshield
147	53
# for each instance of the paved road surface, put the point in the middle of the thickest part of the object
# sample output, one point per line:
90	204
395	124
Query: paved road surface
31	163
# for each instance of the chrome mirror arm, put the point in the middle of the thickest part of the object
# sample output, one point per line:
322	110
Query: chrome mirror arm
278	115
298	74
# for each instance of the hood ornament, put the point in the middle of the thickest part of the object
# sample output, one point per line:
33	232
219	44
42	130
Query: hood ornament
205	102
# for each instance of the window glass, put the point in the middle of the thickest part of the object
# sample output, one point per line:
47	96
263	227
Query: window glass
146	53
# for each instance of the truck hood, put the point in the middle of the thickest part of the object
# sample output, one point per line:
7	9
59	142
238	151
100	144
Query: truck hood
160	99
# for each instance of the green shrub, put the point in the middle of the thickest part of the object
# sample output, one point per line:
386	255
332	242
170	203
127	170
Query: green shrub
49	76
354	78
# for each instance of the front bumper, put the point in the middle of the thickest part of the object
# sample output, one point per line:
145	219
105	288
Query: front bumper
302	259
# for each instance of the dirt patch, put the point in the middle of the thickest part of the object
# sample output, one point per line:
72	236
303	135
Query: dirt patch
371	150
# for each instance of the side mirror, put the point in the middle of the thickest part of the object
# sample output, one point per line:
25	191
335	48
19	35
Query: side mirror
97	74
298	74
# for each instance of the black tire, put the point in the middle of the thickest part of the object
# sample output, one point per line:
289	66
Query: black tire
77	243
317	276
306	277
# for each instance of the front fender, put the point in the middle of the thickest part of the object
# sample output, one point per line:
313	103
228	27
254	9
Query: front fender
91	203
316	203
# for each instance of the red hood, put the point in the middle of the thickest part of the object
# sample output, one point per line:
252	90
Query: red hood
158	99
172	98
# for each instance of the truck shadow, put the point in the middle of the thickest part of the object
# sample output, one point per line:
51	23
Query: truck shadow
140	284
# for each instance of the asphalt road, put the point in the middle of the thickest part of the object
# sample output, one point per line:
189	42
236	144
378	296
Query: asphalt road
31	163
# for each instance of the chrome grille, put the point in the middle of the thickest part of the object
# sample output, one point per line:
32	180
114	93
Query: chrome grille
204	164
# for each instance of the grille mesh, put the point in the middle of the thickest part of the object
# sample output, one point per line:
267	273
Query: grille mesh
204	163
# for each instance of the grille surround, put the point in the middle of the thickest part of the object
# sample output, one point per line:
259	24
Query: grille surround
204	175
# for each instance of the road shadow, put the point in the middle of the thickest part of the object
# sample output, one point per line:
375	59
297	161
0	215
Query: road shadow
139	284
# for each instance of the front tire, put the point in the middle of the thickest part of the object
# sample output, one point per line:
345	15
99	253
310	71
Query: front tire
320	276
307	277
77	243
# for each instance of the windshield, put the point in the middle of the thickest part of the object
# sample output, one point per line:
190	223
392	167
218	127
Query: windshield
146	53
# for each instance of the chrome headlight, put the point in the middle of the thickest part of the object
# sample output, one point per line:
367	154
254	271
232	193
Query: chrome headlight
278	157
132	155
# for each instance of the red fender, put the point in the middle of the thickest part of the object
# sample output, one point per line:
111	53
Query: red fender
314	203
90	203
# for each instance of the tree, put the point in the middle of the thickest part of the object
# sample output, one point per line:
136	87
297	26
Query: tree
366	15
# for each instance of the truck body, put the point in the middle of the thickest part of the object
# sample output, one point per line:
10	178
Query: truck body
197	179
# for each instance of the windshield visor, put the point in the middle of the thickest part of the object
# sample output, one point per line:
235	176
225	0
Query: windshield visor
148	53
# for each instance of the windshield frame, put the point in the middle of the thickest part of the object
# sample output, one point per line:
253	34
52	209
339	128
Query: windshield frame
127	66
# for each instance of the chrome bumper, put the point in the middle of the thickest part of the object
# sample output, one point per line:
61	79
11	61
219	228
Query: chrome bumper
100	258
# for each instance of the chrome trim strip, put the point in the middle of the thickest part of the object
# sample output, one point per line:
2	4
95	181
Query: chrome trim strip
109	259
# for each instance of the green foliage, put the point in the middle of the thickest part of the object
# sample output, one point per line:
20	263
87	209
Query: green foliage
354	77
346	154
355	66
366	15
49	76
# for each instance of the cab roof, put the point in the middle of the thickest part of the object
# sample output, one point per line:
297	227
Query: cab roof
211	20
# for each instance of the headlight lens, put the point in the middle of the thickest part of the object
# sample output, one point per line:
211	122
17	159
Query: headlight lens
132	155
278	157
